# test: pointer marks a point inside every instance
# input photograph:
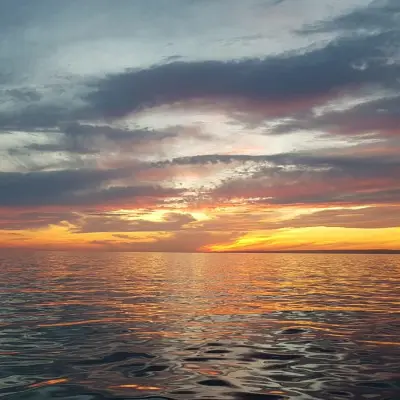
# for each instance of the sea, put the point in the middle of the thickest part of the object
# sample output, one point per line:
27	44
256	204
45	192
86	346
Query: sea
96	326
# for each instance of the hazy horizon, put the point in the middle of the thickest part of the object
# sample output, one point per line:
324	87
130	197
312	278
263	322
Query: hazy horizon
288	251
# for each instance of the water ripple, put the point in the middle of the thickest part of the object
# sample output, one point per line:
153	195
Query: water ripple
181	326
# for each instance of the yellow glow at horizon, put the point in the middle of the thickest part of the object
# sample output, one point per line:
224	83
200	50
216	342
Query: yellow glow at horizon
60	236
279	239
217	220
315	238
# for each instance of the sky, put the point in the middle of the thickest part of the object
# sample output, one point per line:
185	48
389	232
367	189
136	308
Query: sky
200	125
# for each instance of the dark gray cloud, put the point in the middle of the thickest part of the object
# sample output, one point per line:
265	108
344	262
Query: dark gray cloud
380	116
73	188
23	95
284	178
117	134
378	19
298	79
281	78
39	116
309	179
34	220
298	160
214	159
40	188
345	62
303	178
336	194
92	139
295	189
381	15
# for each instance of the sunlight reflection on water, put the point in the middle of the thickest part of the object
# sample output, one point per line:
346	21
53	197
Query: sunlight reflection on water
199	326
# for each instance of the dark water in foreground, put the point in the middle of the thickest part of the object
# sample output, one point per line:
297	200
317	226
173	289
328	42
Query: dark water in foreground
198	326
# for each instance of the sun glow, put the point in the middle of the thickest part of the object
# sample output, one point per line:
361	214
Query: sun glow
313	238
232	227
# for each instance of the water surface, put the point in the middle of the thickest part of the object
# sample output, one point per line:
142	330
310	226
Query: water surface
199	326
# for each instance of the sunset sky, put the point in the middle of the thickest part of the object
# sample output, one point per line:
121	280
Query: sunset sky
200	125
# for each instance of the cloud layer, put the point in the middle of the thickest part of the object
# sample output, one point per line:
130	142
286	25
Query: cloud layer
138	143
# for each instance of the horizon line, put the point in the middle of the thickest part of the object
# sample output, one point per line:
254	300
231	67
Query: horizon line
319	251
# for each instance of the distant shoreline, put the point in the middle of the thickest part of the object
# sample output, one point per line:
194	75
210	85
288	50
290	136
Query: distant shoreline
353	251
372	251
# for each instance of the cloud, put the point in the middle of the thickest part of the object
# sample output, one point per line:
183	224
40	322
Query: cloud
34	220
308	191
364	218
381	15
256	217
301	177
171	222
279	78
379	116
300	160
307	179
280	84
22	95
74	188
214	159
39	188
197	131
93	139
180	241
303	74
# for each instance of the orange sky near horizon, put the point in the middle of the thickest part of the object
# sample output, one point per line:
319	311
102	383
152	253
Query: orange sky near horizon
213	230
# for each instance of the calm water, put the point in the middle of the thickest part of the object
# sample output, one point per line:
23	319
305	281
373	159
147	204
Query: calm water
199	326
